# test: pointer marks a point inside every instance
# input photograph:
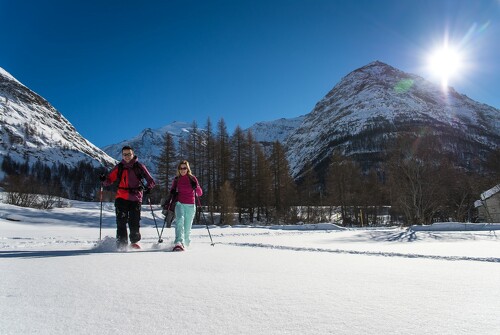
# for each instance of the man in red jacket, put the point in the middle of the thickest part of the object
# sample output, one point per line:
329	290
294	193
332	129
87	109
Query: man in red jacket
128	174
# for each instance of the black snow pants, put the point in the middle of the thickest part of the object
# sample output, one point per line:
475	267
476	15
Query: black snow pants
127	212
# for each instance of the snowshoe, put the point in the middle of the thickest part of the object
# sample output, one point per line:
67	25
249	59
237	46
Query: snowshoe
135	246
178	247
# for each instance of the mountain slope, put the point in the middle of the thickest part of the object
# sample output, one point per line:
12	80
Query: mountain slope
32	129
276	130
373	105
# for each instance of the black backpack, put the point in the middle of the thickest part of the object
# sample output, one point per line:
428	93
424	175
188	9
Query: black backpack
191	179
172	197
137	171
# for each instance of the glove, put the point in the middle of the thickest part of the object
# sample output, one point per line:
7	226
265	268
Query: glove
102	177
147	191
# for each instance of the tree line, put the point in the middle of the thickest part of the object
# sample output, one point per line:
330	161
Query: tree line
40	185
240	181
246	182
416	182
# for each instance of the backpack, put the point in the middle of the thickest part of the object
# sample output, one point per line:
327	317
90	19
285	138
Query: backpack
191	179
137	171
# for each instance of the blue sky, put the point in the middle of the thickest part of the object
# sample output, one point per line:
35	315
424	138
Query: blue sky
113	68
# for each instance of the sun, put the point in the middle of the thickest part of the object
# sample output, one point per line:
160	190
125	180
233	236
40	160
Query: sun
445	63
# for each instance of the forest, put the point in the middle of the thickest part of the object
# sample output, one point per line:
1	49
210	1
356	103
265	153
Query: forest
247	182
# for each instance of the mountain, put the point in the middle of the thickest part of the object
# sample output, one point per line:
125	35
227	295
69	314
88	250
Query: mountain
267	132
32	129
361	116
149	143
374	104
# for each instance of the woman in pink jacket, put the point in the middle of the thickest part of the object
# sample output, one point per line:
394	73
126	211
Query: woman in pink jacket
187	187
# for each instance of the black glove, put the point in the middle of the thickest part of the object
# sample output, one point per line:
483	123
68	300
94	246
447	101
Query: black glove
102	177
147	191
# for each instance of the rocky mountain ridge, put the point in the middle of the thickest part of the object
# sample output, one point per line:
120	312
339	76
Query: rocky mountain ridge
32	130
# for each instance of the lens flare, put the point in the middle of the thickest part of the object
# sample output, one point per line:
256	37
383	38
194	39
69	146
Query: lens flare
403	86
453	57
445	63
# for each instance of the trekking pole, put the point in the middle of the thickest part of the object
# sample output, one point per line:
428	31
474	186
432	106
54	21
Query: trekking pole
169	218
160	240
100	218
205	219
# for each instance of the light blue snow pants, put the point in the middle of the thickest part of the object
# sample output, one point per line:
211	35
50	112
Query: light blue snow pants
184	215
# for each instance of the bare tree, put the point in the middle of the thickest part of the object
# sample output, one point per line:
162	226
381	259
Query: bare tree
227	204
308	192
344	186
413	176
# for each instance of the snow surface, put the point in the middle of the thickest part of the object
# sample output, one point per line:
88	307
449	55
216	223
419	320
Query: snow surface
310	279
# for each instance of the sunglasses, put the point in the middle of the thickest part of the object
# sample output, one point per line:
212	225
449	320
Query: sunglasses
126	155
183	168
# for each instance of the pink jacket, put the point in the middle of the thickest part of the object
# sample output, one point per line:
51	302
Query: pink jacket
182	185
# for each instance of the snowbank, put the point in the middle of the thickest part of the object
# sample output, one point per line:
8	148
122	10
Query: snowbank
457	226
313	226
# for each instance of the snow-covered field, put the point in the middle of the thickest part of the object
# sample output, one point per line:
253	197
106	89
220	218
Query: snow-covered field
314	279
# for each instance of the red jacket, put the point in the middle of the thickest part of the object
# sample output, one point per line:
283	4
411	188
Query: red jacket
129	187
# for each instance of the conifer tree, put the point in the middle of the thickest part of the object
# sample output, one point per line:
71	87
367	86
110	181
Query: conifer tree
238	151
222	155
193	155
250	173
283	185
166	163
263	186
210	167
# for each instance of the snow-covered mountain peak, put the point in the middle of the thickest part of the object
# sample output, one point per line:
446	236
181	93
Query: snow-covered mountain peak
276	130
148	143
7	76
32	130
374	103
